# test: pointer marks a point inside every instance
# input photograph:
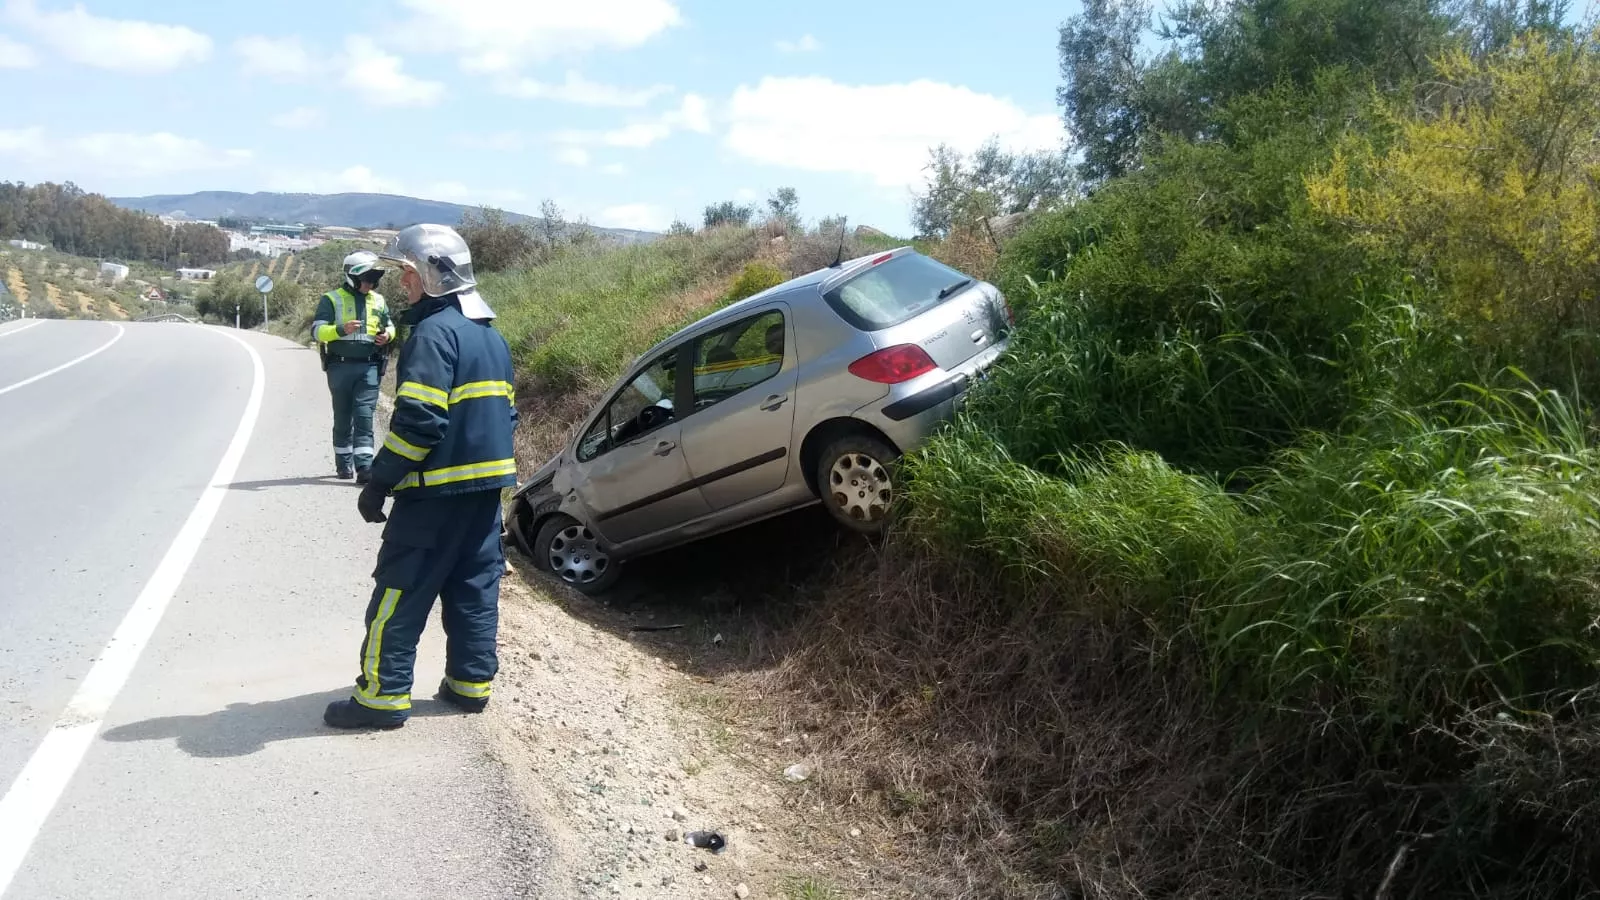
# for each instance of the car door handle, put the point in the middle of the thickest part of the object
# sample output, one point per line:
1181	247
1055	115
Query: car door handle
663	448
773	402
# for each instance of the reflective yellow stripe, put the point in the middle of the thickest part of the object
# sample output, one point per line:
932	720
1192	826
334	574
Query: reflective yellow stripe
474	390
404	447
477	690
467	473
424	393
372	695
455	474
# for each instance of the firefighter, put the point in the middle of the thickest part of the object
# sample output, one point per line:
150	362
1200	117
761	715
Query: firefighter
353	329
445	460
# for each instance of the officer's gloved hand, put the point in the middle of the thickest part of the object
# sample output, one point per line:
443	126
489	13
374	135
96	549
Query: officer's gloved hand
370	503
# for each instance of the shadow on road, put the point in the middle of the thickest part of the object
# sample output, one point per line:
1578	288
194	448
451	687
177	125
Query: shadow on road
288	482
241	729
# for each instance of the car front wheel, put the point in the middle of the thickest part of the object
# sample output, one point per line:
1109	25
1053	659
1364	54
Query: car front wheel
855	477
571	552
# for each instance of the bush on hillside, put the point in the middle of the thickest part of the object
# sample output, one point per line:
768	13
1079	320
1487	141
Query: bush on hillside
754	278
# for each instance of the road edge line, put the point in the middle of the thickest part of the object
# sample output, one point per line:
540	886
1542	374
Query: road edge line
34	324
27	804
70	363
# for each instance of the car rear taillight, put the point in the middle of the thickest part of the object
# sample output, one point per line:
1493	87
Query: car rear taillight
892	365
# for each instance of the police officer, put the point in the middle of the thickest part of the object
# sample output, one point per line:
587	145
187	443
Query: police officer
352	328
446	458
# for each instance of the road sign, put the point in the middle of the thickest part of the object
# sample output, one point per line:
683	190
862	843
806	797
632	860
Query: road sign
264	284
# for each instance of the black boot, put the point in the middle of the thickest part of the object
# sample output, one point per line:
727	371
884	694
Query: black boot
350	714
343	466
363	474
465	704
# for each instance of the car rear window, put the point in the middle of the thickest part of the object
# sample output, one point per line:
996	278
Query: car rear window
892	292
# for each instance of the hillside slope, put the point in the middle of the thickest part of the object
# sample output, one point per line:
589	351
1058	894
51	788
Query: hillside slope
353	210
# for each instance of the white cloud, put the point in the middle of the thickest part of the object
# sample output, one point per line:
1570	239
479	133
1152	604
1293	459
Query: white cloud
881	131
104	158
614	169
579	90
300	117
806	44
355	179
636	216
376	76
745	194
692	115
126	45
283	58
572	156
499	36
16	56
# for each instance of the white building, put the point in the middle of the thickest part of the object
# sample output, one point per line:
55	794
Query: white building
197	274
115	271
26	245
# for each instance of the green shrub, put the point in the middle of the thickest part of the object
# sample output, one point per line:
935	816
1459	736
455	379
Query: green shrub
753	279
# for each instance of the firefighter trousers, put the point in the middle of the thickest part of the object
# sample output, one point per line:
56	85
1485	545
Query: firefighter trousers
446	548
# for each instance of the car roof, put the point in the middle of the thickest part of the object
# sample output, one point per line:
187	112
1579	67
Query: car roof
794	285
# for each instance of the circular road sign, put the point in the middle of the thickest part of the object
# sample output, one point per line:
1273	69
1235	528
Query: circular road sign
264	284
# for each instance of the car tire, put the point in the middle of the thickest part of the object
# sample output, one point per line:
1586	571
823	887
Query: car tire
525	523
568	550
855	479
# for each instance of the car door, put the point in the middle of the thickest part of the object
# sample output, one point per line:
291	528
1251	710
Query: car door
737	440
630	469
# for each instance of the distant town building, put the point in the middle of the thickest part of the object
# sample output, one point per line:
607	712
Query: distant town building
26	245
117	272
293	231
197	274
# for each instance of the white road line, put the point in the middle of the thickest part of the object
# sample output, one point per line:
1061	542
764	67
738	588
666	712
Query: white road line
34	324
69	364
26	806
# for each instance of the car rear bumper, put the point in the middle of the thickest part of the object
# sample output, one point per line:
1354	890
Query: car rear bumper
911	411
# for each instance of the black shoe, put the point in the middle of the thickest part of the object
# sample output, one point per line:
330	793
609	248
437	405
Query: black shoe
465	704
350	714
363	475
344	469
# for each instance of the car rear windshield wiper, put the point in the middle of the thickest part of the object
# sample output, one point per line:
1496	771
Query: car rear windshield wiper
954	287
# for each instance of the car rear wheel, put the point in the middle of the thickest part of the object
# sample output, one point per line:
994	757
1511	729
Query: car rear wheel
571	552
855	478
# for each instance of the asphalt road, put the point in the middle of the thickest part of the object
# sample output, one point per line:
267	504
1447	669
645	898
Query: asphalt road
167	644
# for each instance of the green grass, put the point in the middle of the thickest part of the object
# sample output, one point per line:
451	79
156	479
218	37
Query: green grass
578	319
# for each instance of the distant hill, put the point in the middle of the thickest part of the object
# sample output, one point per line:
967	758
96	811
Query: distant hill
352	210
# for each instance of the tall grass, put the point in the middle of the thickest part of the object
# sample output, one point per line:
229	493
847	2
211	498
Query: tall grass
578	318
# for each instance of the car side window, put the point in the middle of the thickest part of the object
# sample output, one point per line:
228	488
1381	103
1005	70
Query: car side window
738	357
641	407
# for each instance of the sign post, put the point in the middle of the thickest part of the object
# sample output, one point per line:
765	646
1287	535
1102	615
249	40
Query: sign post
264	285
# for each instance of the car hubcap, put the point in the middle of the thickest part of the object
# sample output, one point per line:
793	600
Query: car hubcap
861	487
576	556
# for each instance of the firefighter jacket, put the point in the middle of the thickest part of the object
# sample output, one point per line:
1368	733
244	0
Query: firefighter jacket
454	410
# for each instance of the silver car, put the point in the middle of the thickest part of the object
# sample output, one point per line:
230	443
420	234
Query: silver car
804	393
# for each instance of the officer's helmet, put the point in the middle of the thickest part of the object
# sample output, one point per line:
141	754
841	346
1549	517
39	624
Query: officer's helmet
362	265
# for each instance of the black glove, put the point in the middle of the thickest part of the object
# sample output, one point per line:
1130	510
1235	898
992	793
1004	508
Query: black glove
371	502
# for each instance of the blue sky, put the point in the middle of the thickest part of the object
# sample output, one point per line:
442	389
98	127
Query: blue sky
625	112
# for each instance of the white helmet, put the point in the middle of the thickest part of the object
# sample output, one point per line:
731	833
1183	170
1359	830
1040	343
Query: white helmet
360	263
441	258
